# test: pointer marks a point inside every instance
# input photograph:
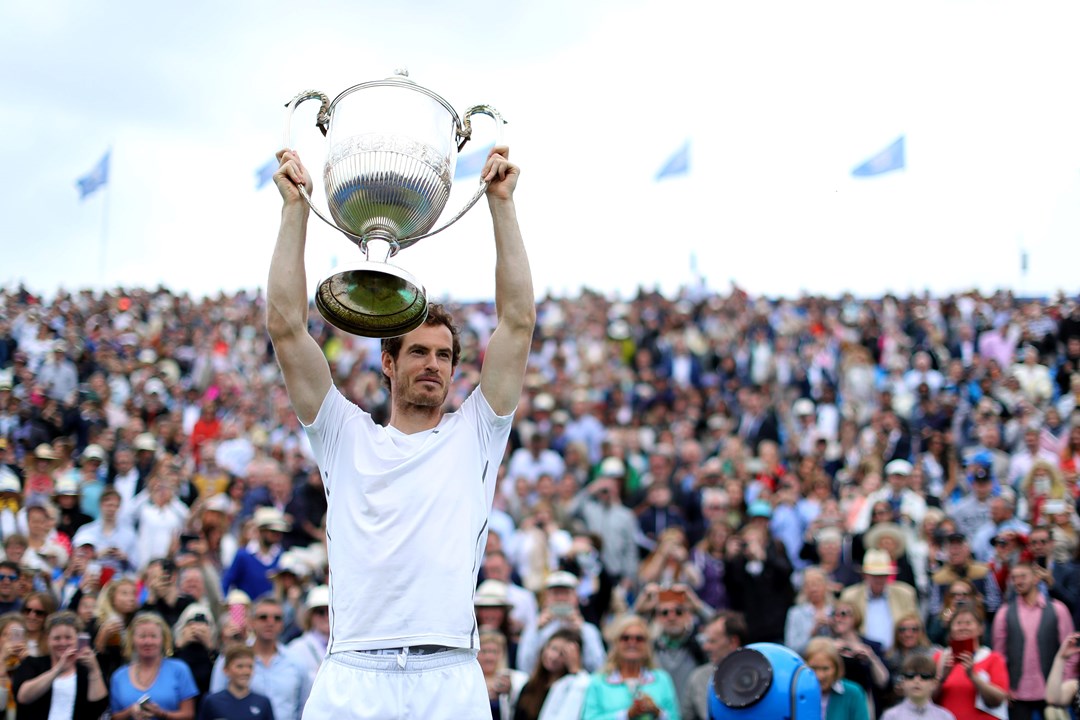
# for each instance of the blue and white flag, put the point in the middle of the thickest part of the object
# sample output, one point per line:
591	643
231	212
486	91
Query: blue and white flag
266	173
677	164
889	159
472	163
94	179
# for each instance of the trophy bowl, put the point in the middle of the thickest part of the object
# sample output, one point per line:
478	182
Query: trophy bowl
392	152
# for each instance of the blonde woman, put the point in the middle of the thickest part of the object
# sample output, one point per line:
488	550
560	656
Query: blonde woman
153	684
630	682
503	684
809	617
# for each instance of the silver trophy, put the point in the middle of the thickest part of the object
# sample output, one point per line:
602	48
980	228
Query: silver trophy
389	167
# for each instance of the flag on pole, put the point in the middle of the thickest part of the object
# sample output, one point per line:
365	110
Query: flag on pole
266	173
677	164
889	159
94	179
472	163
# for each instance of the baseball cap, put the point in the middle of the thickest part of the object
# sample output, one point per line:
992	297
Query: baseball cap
898	467
561	578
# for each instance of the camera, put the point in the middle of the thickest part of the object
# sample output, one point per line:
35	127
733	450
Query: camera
198	618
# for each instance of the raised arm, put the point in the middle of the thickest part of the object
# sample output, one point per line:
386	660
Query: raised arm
508	350
306	372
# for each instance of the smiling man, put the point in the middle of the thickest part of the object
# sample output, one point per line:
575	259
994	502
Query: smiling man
408	502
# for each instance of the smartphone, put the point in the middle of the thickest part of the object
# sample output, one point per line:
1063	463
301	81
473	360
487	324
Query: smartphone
186	539
144	701
17	633
84	640
959	647
561	609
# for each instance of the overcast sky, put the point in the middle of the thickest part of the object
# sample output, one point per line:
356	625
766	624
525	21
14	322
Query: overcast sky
780	100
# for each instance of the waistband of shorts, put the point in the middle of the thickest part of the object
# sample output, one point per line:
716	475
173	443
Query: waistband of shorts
388	660
413	650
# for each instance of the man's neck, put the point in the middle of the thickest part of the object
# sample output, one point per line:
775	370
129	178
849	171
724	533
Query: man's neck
1032	596
265	648
239	692
411	419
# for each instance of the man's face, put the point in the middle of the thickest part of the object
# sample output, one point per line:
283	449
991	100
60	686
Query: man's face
497	568
1023	579
560	596
421	373
716	643
267	621
9	584
958	552
999	510
109	507
675	619
1040	543
124	462
876	583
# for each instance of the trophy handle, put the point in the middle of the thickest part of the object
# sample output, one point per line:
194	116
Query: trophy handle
322	122
464	132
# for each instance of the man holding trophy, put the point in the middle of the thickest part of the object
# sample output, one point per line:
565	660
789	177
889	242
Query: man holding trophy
408	502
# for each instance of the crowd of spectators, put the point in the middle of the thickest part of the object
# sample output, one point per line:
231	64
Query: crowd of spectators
866	481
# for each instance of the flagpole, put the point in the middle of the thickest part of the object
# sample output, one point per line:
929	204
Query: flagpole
104	231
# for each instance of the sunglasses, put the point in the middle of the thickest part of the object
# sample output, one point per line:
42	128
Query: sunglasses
632	638
924	676
911	629
268	616
677	612
5	576
34	611
841	613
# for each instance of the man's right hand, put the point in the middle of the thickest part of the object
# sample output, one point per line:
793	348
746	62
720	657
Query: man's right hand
291	174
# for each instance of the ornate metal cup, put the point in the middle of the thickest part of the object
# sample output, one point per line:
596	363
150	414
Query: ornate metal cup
388	173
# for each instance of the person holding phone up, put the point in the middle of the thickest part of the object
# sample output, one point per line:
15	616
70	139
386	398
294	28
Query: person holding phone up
1059	691
67	683
973	679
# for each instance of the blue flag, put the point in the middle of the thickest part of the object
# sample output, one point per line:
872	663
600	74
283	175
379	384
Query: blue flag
472	163
266	173
94	179
677	164
889	159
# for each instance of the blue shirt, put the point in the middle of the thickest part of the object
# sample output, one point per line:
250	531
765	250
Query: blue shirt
283	681
174	684
226	706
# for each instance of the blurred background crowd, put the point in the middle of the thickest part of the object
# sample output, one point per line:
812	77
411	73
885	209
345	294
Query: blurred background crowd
861	480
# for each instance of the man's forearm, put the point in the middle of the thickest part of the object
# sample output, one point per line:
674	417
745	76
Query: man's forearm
514	299
286	289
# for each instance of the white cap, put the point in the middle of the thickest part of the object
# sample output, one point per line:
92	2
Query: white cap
561	578
898	467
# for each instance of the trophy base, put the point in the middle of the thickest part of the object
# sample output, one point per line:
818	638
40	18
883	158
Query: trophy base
372	300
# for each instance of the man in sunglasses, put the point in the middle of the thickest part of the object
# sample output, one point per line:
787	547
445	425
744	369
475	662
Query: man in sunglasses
676	648
10	600
277	675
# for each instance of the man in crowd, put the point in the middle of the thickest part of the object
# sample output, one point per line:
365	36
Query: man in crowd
881	603
726	633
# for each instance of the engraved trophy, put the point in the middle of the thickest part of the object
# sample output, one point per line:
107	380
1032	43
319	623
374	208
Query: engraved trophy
392	151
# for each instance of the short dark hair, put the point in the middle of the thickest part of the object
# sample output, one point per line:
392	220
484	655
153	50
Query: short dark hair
918	664
437	315
734	625
13	566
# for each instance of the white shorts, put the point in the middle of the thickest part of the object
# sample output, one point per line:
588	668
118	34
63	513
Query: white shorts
355	685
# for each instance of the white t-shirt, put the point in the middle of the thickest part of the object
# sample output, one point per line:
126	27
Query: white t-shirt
62	703
406	522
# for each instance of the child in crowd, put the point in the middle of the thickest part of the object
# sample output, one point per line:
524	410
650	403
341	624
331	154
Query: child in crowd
918	683
237	700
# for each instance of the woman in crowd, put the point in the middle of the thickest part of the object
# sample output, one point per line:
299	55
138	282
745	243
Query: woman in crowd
1043	483
493	609
557	660
863	659
36	608
167	683
12	652
707	557
841	699
810	616
116	606
972	683
961	594
630	685
503	684
909	639
67	683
